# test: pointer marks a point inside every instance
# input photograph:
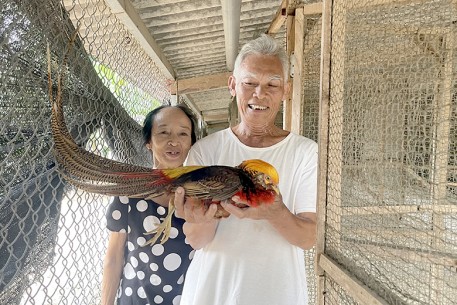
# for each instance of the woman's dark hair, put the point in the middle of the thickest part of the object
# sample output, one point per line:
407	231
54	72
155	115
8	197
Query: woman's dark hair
150	117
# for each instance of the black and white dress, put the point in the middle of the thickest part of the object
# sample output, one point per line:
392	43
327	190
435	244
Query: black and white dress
151	274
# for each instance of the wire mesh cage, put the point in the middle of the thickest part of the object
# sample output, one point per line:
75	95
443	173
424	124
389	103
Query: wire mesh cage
390	216
53	236
391	193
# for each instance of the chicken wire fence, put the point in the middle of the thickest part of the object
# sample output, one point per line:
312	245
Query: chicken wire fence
53	236
310	121
391	211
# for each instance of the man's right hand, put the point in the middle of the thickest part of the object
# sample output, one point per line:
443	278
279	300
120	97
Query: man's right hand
192	209
200	226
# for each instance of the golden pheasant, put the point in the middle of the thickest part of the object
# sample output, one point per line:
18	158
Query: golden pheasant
254	181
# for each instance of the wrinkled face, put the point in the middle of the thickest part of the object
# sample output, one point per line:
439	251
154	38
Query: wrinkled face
259	88
171	138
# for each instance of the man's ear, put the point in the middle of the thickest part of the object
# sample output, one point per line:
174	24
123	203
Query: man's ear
232	85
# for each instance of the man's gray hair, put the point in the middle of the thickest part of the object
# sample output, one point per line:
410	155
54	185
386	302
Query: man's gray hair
263	45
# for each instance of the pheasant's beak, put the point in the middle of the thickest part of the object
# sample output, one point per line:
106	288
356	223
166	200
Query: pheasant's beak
275	188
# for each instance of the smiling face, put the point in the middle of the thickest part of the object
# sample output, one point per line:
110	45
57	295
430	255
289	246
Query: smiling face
259	88
171	138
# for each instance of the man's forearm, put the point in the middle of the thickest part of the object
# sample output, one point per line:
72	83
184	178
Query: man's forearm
299	230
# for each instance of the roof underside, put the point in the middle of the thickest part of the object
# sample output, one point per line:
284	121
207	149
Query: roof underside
194	41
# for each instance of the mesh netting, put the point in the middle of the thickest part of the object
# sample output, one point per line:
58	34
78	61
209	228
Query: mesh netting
53	237
311	78
310	110
391	220
391	209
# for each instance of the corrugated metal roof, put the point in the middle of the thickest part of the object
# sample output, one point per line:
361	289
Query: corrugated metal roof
188	39
190	33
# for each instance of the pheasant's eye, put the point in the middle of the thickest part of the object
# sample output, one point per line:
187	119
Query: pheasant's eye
267	179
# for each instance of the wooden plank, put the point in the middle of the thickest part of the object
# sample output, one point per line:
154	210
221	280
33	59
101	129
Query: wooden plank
125	11
287	9
361	4
332	101
233	112
279	19
355	288
440	161
200	83
400	209
324	105
312	9
287	104
297	90
212	118
191	104
410	255
362	234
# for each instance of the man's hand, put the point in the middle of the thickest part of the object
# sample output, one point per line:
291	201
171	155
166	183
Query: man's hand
299	230
191	209
200	225
263	211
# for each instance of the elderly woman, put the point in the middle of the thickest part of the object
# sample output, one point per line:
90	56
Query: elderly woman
144	274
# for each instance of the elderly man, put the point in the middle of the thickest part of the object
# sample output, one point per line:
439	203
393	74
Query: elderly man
255	256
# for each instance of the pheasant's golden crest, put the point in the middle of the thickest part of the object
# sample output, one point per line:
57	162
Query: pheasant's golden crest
256	166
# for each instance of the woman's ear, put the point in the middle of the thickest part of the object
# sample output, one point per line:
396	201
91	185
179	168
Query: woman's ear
148	146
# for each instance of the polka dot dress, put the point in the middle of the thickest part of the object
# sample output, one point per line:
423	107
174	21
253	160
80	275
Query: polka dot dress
152	274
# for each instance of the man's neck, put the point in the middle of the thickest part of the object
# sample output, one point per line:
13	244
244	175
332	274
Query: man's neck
259	137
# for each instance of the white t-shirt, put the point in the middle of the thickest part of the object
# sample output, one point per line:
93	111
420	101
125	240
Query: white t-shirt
248	262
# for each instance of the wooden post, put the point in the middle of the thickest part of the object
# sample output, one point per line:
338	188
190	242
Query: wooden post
290	30
324	100
297	89
440	159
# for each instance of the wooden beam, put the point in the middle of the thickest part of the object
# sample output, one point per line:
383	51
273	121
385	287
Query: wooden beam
216	126
279	19
404	254
297	90
125	11
400	209
191	104
200	83
355	288
233	112
363	4
288	9
211	118
312	9
323	142
287	105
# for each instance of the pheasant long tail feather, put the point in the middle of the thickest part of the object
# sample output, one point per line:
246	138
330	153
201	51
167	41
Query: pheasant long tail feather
85	169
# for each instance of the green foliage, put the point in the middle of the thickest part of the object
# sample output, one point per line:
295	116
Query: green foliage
135	101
